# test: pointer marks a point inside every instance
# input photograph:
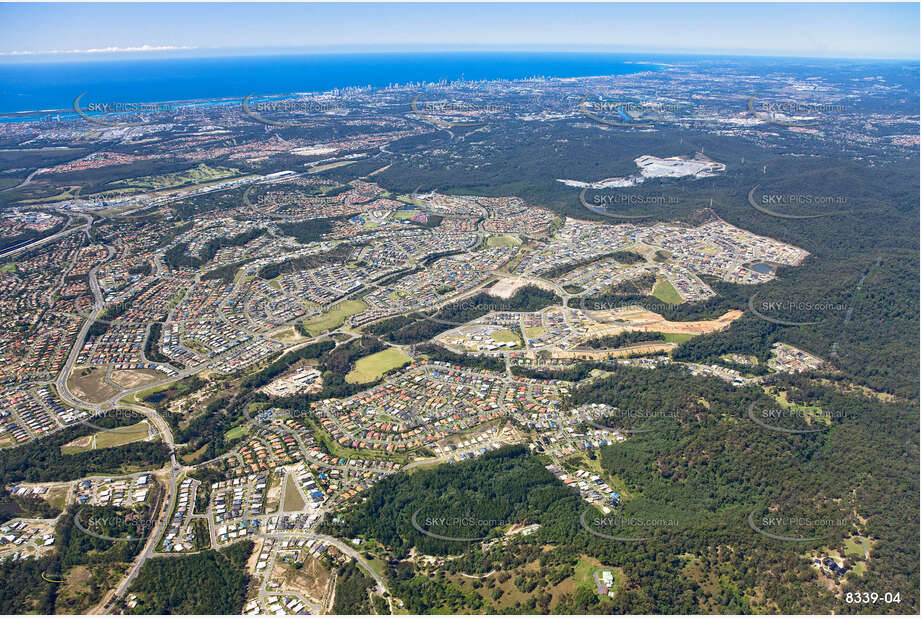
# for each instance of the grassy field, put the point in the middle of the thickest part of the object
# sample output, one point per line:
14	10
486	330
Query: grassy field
401	215
9	267
328	166
677	337
57	497
109	438
236	432
372	367
584	571
193	457
406	199
502	240
534	331
293	499
122	435
666	292
857	546
504	336
196	175
287	334
335	317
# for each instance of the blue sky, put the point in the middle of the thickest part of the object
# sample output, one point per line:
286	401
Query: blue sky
820	29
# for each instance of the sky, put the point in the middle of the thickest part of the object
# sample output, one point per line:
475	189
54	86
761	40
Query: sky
858	30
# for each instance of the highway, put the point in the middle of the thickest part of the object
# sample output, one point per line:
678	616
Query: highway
47	239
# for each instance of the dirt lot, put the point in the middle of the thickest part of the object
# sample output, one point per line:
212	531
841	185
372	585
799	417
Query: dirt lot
646	348
631	319
133	378
507	286
312	579
89	384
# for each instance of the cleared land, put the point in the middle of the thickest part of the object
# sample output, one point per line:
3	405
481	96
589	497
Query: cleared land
294	501
372	367
667	293
90	384
286	334
329	166
642	320
108	438
502	240
133	378
506	336
678	337
401	215
312	579
335	317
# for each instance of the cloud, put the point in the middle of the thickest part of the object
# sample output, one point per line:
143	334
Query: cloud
100	50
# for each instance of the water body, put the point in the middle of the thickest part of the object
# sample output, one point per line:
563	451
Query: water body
764	269
31	86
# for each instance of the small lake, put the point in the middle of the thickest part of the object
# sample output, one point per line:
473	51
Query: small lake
764	269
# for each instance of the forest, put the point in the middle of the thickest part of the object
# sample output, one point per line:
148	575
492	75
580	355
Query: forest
164	585
42	460
694	468
417	327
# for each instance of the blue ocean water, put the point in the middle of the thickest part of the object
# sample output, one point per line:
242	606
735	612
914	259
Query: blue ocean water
54	85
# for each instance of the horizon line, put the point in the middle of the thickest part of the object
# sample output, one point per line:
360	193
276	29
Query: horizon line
189	52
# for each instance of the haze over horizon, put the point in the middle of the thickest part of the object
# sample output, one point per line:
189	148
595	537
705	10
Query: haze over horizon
81	31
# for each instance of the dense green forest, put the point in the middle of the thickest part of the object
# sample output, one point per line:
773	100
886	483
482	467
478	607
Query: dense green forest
352	591
178	256
42	460
436	352
220	582
507	486
151	345
622	339
308	230
418	327
97	563
336	255
693	472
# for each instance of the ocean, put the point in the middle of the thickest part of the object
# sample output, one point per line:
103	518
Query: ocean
33	86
